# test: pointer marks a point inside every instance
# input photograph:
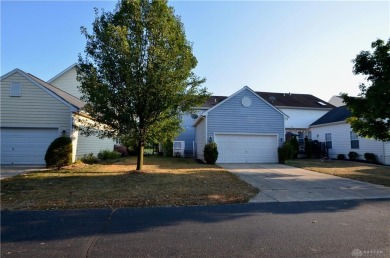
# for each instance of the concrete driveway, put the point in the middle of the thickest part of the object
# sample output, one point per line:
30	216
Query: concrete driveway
13	170
280	183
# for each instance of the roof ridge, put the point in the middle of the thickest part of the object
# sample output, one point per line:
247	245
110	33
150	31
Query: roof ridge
269	92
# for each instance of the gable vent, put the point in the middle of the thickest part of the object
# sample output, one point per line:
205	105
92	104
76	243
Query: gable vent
15	89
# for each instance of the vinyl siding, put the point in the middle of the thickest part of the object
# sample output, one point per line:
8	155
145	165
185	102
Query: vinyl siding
200	138
92	144
35	108
68	82
336	101
341	142
386	158
232	117
188	134
387	148
89	144
301	118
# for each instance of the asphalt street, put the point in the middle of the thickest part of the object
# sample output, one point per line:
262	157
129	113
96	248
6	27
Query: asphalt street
351	228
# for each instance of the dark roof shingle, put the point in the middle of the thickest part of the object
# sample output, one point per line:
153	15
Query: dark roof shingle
294	100
213	100
280	100
335	115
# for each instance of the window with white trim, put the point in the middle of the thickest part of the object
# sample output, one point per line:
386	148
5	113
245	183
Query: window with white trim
328	140
354	140
15	90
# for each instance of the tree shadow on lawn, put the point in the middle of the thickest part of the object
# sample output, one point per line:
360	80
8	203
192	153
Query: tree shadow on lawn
18	226
162	162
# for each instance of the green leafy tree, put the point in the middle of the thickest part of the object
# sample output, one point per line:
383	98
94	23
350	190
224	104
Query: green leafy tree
371	109
136	76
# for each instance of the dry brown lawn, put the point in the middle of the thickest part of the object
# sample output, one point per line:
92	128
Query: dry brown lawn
371	173
163	182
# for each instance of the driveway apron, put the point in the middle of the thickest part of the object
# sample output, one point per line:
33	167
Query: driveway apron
13	170
280	183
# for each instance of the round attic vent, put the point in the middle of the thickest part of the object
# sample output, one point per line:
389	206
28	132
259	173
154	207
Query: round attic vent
246	101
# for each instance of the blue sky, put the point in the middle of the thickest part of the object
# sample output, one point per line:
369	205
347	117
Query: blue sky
298	47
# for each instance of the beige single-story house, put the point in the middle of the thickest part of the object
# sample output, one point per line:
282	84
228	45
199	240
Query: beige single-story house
33	114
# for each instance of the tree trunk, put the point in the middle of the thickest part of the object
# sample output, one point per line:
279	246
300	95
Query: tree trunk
140	158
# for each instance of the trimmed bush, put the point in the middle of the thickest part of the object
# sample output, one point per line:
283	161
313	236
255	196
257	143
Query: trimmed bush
340	156
370	157
308	148
352	155
59	153
107	154
283	153
210	153
294	147
121	149
89	159
289	150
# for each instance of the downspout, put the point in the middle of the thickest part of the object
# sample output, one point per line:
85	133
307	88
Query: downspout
206	132
73	134
384	153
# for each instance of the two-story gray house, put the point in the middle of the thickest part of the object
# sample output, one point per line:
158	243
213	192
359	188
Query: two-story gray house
240	129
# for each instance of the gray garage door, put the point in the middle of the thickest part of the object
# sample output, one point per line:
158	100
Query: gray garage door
25	145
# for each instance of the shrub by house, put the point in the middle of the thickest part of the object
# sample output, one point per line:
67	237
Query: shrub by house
59	152
210	153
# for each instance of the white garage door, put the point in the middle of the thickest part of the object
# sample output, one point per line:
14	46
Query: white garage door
243	148
25	145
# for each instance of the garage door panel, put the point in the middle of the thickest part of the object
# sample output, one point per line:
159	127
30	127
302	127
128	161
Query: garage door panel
246	148
25	145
